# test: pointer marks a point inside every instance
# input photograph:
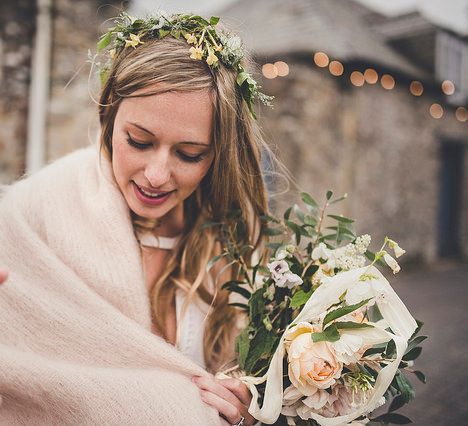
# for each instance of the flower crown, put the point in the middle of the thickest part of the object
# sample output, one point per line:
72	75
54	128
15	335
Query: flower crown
207	45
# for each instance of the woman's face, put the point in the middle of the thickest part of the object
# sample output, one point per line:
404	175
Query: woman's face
161	149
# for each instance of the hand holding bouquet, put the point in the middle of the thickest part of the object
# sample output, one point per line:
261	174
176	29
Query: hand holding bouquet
328	340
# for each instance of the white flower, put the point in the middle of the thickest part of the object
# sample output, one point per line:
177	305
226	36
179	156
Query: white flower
321	252
362	243
281	254
347	347
277	268
288	279
396	248
390	261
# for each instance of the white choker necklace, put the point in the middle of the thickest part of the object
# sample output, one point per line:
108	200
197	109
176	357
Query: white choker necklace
148	239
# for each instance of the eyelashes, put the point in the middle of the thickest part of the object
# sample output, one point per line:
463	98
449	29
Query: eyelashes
182	156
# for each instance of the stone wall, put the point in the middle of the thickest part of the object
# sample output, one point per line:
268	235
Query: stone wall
379	146
73	120
17	28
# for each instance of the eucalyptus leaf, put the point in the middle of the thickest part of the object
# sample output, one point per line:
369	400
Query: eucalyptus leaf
420	375
341	218
412	354
309	200
330	334
345	310
397	403
352	325
329	194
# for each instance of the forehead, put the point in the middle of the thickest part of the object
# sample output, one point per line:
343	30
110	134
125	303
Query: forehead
178	115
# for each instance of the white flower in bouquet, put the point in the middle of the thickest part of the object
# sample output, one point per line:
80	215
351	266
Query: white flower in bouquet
348	348
281	274
390	261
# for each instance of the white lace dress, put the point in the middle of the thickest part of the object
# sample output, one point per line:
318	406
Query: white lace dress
191	326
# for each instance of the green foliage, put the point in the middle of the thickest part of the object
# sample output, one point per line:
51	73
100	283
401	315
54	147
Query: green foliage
330	334
300	298
345	310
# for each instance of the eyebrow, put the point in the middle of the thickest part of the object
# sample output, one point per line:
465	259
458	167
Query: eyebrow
139	126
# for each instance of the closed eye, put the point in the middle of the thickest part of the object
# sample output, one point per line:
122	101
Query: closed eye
136	144
191	158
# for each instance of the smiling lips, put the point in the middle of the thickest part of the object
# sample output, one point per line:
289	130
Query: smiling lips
147	196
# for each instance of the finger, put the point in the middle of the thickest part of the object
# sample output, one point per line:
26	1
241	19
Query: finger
238	388
230	412
212	385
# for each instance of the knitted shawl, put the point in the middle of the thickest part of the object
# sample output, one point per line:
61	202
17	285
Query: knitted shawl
75	317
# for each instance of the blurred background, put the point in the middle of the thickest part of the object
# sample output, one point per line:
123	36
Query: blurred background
370	99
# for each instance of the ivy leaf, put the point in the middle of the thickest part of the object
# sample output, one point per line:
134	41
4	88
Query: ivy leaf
330	334
300	298
345	310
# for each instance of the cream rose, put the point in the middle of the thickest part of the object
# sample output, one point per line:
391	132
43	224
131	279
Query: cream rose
312	364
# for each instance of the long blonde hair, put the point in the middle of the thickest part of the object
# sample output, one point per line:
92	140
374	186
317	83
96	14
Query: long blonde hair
234	181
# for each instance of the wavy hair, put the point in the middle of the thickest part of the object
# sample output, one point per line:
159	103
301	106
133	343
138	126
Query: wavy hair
233	182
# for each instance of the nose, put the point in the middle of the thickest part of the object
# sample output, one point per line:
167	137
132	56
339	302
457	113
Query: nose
158	170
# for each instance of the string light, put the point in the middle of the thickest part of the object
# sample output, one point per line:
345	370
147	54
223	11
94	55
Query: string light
357	78
416	88
448	87
269	71
387	82
436	111
282	68
336	68
321	59
461	114
371	76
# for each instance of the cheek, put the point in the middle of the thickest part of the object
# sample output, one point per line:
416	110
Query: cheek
191	176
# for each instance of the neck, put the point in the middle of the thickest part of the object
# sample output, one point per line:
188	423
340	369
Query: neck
172	223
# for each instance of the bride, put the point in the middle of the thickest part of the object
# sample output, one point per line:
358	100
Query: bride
109	314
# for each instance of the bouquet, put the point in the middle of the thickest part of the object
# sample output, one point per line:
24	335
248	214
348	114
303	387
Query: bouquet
327	339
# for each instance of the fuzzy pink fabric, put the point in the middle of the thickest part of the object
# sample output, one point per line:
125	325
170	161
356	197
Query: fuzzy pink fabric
75	340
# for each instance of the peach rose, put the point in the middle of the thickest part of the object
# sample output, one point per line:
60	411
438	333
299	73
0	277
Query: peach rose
312	364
